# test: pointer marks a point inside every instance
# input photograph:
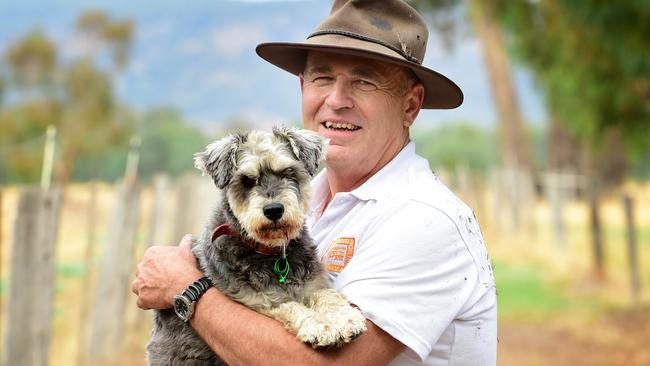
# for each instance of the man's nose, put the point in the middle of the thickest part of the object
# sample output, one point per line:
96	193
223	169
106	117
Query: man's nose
340	95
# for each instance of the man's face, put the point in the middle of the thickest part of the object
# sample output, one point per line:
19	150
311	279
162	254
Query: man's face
363	106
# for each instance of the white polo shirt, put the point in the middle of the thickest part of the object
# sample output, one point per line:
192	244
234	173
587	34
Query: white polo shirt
410	255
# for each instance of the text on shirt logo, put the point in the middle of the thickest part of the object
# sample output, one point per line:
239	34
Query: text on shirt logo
338	254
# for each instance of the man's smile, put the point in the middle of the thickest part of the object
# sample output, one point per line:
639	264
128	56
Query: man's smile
340	126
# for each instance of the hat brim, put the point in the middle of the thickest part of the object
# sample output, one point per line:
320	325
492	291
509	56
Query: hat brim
440	92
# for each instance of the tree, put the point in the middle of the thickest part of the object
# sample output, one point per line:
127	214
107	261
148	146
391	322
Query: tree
168	143
77	97
591	60
515	144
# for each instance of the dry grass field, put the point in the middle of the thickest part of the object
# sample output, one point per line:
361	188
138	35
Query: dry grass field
552	311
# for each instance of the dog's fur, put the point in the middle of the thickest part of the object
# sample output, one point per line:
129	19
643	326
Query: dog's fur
254	170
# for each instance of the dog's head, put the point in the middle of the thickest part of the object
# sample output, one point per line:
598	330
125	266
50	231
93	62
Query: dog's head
266	179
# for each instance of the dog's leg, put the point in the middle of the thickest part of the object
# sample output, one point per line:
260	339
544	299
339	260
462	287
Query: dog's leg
327	320
299	320
342	322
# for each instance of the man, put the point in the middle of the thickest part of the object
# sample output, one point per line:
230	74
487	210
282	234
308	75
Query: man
395	240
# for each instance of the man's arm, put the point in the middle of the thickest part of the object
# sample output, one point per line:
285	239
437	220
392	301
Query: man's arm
239	335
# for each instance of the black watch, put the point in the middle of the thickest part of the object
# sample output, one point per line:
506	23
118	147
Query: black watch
184	302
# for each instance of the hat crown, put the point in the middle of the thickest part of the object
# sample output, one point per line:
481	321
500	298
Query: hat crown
390	23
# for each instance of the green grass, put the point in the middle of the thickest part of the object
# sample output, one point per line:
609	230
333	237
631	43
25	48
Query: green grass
70	269
523	293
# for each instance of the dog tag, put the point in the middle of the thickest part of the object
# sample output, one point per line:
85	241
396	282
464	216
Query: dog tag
281	272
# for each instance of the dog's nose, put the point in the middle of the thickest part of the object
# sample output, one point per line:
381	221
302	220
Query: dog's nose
273	211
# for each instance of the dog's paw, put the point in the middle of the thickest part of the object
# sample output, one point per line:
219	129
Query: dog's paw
312	333
341	327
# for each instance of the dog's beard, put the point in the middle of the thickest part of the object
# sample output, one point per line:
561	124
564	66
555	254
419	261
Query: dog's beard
273	232
250	216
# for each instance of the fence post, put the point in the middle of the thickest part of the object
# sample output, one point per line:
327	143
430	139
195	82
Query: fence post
31	286
114	279
596	231
116	268
156	225
48	157
556	198
635	283
88	273
156	221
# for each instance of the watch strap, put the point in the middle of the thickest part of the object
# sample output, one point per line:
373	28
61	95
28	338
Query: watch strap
197	288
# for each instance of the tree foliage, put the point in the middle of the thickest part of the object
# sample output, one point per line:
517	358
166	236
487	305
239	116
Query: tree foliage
592	60
77	97
458	145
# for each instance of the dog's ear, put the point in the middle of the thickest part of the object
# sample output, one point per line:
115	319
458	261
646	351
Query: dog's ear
219	159
307	146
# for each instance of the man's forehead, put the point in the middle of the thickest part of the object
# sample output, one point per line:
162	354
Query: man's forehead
327	62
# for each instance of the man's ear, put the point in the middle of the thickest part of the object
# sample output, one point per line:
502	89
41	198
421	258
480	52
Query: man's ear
413	104
219	159
307	146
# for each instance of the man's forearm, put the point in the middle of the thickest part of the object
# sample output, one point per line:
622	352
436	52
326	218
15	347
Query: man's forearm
241	336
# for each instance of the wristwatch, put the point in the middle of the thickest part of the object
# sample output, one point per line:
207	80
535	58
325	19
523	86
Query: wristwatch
184	302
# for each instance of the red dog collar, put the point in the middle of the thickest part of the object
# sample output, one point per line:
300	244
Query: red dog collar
260	248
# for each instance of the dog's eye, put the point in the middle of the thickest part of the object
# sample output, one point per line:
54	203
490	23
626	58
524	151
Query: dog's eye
288	171
248	182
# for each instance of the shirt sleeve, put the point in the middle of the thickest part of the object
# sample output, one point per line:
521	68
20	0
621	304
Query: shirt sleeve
411	275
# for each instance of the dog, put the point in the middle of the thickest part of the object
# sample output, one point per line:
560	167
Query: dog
264	181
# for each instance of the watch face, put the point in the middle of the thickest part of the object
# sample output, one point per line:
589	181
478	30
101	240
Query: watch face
183	307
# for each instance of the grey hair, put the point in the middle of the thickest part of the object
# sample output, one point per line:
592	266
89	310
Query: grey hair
219	159
307	146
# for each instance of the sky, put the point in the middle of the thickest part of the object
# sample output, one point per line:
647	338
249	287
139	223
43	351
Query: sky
198	56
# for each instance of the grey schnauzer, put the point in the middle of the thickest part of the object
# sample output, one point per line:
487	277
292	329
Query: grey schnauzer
264	182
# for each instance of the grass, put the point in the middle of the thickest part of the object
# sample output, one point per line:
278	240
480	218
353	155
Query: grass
523	293
71	269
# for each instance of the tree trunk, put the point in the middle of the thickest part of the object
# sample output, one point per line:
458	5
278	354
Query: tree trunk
563	151
594	189
515	144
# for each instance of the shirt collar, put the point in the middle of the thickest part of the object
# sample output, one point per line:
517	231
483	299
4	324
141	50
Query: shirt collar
378	186
392	175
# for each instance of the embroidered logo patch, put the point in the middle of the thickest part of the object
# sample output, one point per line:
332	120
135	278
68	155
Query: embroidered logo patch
338	254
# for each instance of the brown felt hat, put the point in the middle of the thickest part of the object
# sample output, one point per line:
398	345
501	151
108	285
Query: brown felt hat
385	30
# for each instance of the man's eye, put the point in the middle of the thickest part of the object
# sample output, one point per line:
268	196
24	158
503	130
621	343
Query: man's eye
322	80
365	85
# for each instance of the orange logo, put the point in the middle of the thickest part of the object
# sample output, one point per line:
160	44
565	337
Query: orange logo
338	254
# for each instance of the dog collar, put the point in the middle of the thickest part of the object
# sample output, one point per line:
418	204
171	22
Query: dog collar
260	248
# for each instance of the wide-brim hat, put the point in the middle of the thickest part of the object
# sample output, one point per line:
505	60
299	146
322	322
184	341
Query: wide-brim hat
385	30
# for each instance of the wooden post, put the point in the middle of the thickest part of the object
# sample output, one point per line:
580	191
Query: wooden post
635	283
156	224
183	213
514	195
114	279
116	269
555	195
131	171
31	286
596	232
48	157
155	235
87	280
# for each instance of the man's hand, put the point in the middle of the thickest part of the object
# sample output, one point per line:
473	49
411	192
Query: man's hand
164	272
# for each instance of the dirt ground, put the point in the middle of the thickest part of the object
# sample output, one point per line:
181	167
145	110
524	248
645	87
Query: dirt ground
615	338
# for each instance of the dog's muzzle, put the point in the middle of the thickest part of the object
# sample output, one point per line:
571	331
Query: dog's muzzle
273	211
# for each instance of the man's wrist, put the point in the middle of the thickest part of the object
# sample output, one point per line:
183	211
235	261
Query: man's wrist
185	302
